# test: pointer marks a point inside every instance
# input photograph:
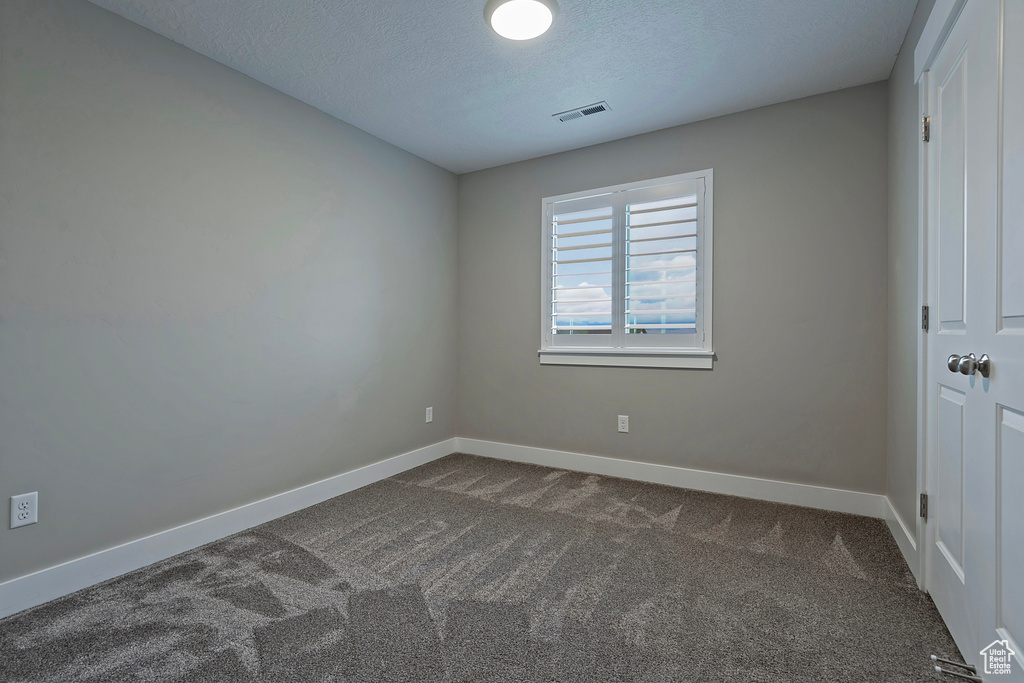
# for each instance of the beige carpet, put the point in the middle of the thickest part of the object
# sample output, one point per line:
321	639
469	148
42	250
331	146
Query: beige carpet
469	569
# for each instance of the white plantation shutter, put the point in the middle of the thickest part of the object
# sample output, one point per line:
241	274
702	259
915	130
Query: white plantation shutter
581	282
625	268
663	240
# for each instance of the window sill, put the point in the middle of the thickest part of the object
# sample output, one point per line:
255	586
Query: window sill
631	358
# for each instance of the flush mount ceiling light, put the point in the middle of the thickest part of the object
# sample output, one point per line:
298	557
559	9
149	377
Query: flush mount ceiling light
520	19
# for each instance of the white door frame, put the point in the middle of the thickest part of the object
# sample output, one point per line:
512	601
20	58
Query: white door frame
922	336
940	22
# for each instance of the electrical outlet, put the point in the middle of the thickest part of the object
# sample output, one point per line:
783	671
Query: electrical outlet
24	509
624	424
430	414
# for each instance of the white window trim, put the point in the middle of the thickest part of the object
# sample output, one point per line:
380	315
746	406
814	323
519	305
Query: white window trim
652	357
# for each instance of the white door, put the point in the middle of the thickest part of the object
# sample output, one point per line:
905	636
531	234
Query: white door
975	534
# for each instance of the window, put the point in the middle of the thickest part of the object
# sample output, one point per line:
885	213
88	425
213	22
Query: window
627	275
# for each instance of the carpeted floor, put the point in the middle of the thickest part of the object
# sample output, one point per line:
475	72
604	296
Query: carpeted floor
469	569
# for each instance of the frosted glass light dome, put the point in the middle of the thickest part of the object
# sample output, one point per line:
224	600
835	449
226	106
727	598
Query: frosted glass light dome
520	19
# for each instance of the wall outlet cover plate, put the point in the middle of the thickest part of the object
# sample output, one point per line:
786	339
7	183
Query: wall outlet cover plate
24	509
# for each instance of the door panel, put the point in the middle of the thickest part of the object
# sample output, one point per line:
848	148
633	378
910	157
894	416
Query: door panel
950	138
1010	522
949	493
1011	244
1007	344
963	160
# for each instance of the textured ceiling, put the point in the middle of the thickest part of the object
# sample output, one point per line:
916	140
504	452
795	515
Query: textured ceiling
432	78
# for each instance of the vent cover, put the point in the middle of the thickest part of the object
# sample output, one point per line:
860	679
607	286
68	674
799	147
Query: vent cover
580	112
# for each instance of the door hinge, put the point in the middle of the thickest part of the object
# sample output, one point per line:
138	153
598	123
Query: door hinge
926	128
924	318
924	506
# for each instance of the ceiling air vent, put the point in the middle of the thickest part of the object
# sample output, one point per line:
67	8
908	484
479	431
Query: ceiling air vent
580	112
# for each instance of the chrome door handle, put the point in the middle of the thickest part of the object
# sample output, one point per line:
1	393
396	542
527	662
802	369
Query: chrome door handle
970	364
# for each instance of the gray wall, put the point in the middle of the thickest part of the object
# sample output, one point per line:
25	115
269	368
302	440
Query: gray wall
904	321
209	292
799	390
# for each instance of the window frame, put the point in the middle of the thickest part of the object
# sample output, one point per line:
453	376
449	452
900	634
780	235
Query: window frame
595	350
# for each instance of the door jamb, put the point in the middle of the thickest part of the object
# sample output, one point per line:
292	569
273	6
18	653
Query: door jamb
922	337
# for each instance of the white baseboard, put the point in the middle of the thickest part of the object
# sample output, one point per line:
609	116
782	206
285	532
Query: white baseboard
905	539
820	497
53	582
